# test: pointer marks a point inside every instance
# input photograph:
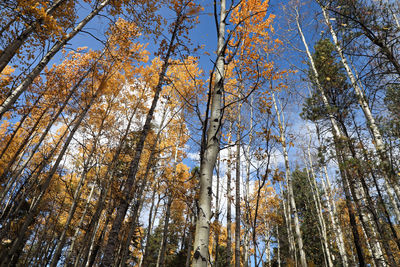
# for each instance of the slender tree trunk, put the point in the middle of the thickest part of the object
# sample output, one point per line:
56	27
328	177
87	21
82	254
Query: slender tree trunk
288	224
267	250
149	227
281	124
229	201
209	151
217	211
237	191
278	247
247	191
163	247
318	207
189	242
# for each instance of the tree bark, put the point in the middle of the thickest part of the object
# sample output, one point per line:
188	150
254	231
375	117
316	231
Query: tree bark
282	132
318	206
237	191
210	151
161	255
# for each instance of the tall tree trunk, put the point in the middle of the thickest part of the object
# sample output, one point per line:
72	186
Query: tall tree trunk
318	206
163	246
282	132
288	224
210	149
247	191
229	201
217	211
149	227
237	191
189	242
278	247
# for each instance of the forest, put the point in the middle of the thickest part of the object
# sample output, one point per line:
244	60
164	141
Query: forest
169	133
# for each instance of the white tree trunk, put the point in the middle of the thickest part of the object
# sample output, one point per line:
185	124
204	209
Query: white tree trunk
318	206
367	222
278	247
334	217
281	124
209	155
247	191
237	190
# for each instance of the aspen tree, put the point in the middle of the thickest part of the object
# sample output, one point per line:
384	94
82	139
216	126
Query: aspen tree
229	198
77	193
217	212
385	164
326	185
237	189
19	242
247	189
282	132
318	205
210	148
